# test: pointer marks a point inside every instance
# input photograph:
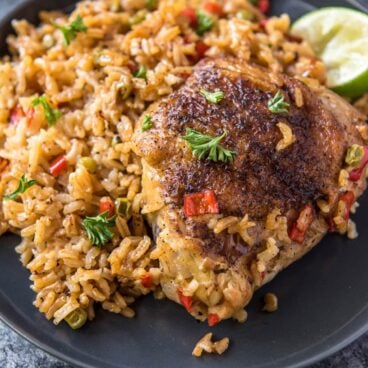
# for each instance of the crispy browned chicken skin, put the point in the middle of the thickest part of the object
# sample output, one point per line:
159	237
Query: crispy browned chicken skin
261	178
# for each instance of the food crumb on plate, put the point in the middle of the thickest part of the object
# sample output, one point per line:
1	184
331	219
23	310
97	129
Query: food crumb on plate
212	347
271	303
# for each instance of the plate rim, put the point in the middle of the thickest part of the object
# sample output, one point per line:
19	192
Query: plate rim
78	363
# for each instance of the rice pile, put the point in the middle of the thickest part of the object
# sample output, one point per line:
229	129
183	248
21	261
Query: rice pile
93	82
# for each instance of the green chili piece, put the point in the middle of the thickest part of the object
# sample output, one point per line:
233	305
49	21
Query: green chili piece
76	319
124	207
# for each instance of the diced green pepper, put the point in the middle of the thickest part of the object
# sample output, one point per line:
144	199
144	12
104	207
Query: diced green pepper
245	15
76	319
139	17
124	207
89	163
354	155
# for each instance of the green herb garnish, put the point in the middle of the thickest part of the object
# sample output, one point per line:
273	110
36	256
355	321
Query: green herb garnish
277	103
71	30
52	115
213	97
98	228
205	23
208	147
141	72
147	123
23	185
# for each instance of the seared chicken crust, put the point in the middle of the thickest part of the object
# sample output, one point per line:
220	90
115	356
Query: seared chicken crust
260	178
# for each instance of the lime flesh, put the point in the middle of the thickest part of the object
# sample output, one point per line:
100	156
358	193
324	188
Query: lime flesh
339	37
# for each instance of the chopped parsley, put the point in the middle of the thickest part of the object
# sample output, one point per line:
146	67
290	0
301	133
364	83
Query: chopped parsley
23	185
277	104
71	30
98	228
208	147
213	97
147	123
52	115
205	23
141	72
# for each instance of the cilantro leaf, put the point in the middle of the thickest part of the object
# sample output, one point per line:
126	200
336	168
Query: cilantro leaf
23	185
208	147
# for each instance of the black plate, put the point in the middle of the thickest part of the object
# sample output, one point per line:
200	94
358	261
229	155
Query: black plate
323	299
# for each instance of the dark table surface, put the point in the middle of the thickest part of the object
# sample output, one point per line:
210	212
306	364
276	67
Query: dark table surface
15	352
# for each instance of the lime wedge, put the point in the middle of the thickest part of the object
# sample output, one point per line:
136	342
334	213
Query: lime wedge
339	36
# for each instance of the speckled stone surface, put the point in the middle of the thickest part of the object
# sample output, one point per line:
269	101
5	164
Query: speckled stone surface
16	352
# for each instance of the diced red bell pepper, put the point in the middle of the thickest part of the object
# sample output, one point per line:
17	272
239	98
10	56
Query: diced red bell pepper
147	280
302	224
185	301
30	115
200	203
191	16
263	6
356	174
296	234
348	198
106	204
16	114
213	8
263	23
133	67
201	49
58	166
213	319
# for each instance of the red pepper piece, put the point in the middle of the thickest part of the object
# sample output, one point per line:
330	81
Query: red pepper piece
296	234
185	301
200	203
147	280
133	67
191	16
58	166
201	49
300	227
16	114
106	204
213	319
213	8
348	198
263	23
263	6
30	115
356	174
